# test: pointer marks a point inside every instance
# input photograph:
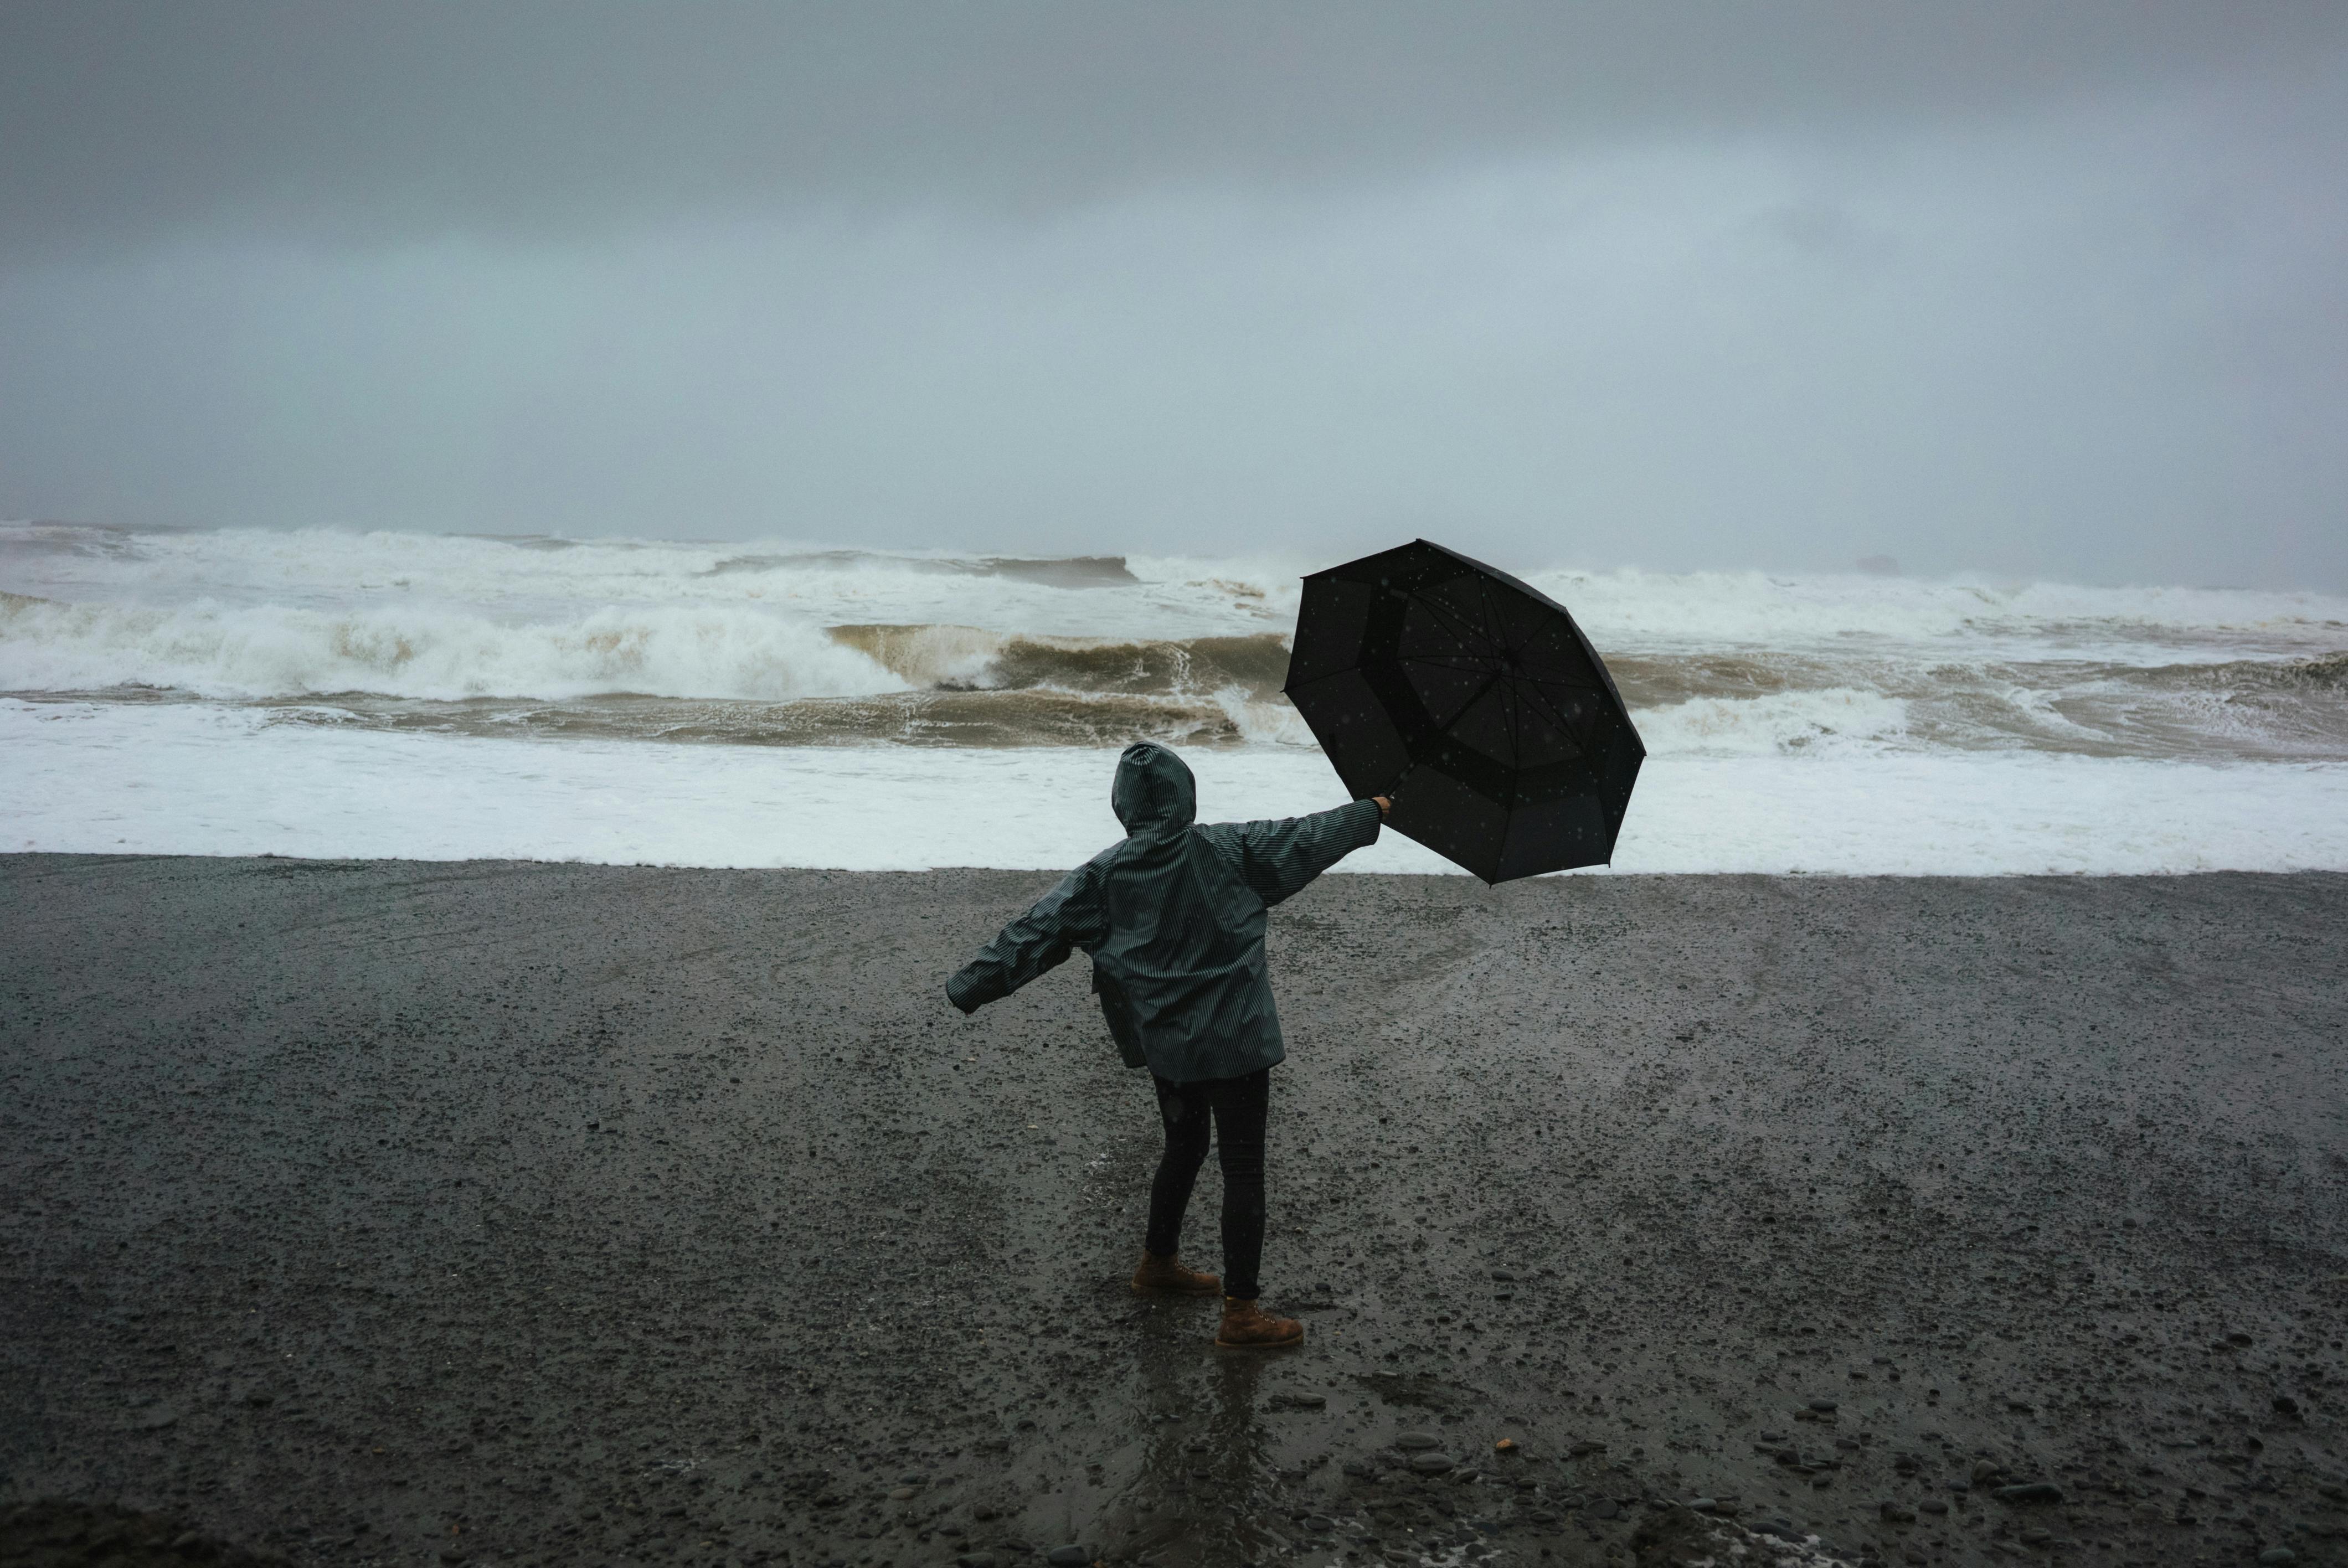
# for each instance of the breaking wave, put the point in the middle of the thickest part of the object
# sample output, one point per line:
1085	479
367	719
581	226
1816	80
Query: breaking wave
419	652
966	658
798	646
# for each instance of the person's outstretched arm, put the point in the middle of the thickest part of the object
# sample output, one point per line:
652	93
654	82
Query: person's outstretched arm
1277	859
1070	915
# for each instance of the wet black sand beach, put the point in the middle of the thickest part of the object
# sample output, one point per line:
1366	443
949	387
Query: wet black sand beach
399	1212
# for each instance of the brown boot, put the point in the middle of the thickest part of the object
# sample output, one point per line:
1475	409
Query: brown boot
1167	1276
1247	1327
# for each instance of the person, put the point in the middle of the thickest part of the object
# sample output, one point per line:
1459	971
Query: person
1173	917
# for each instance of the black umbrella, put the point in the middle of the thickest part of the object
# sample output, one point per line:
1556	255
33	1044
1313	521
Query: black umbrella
1475	701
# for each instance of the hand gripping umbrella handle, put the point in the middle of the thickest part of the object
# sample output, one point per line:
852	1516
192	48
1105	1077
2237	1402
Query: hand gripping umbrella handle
1392	795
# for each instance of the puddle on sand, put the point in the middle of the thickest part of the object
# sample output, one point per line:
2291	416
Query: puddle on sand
1209	1458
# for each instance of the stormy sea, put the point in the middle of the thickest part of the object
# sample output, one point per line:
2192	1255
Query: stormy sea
355	694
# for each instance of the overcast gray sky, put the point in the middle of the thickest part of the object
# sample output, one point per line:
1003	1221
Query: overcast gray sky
2034	290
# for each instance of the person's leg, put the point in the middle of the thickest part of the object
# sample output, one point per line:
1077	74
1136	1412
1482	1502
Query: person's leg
1183	1108
1241	1106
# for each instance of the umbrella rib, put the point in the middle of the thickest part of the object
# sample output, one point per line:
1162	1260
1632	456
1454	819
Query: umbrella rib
1534	693
1473	698
1515	740
1452	622
1564	725
1496	625
1446	661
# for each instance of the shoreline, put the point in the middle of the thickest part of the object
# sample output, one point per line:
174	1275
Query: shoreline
189	780
600	1214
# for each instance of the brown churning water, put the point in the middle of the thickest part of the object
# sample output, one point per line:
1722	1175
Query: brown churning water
724	644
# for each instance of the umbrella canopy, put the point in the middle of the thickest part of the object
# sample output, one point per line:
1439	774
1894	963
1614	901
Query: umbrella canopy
1474	700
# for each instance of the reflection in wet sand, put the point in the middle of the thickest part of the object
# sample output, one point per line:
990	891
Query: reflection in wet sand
1201	1495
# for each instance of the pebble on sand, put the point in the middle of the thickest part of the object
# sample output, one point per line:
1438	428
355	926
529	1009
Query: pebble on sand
1068	1557
1412	1442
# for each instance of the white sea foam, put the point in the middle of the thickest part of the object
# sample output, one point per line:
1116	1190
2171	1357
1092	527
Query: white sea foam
1791	721
1785	722
1265	723
1832	611
426	651
1146	596
207	780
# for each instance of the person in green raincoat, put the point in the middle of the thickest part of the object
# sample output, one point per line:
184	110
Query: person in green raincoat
1173	915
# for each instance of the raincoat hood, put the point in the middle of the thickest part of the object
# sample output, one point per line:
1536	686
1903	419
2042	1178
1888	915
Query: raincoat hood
1154	792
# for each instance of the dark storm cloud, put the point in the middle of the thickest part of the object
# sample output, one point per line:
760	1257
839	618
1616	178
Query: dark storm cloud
2054	289
127	121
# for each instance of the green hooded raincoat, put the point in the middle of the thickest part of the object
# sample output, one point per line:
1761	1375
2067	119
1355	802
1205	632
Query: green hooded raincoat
1173	917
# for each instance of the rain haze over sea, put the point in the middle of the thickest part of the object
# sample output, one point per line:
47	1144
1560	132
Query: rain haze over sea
784	435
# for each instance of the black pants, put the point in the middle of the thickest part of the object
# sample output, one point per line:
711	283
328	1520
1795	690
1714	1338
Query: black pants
1237	1106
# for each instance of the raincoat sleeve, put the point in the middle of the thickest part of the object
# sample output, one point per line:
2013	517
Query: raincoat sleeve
1072	915
1276	859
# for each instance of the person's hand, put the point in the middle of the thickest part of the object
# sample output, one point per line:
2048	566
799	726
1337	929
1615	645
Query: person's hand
1384	806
